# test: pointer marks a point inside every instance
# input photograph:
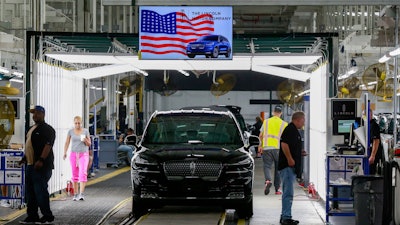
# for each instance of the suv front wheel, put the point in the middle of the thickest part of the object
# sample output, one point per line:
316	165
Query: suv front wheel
138	209
246	210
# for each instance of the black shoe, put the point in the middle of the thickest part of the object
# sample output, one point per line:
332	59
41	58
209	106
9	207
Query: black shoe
289	222
268	185
29	220
47	220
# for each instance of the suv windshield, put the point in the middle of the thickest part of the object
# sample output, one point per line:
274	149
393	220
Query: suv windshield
209	38
192	128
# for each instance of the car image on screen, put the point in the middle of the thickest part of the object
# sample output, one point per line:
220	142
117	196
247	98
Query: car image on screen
211	46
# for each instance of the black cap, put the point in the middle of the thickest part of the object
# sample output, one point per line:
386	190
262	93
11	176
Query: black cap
278	109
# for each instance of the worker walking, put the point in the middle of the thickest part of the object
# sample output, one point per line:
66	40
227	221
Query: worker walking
270	134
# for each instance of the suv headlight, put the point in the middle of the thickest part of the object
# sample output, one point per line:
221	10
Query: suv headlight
242	165
139	162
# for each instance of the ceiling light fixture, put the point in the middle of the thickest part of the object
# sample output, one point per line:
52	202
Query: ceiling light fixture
18	74
4	70
395	52
303	93
384	58
184	72
352	70
144	73
16	80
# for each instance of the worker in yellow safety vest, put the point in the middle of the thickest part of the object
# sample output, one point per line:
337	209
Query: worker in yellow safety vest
270	135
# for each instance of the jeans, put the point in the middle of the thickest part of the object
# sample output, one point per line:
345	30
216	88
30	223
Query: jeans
271	156
129	149
288	177
37	195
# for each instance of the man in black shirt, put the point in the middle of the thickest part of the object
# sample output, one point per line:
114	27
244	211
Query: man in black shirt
289	164
39	159
376	147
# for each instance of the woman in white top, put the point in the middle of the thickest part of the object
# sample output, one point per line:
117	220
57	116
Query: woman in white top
79	138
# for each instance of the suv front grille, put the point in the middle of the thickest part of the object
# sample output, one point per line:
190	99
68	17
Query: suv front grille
192	168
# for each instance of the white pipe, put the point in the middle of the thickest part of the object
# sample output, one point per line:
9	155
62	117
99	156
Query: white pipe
74	16
94	15
101	16
396	70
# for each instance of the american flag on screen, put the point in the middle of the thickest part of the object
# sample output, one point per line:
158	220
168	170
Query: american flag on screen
170	33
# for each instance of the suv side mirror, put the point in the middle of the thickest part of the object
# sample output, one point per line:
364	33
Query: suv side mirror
254	140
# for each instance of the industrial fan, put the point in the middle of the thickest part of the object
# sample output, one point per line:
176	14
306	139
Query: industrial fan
223	84
130	86
377	77
349	88
6	89
7	117
289	91
165	87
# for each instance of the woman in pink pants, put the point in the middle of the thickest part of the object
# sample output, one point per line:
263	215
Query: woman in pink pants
79	138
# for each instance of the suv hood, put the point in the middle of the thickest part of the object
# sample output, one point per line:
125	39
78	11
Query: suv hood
179	152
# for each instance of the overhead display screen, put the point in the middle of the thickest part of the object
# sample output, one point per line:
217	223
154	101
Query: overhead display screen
185	32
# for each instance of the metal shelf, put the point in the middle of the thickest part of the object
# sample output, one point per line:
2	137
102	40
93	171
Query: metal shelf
345	169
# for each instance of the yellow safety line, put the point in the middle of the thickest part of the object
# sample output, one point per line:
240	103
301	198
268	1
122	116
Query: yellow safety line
141	219
119	205
223	218
20	212
108	176
241	222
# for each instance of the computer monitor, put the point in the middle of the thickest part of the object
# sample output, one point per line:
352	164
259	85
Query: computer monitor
342	127
346	127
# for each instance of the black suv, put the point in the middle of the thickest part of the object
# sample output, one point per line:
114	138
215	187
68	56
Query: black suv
193	157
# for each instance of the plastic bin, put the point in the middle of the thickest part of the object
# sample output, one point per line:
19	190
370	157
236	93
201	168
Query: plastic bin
368	199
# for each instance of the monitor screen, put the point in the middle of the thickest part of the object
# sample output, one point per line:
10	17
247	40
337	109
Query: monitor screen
341	127
185	32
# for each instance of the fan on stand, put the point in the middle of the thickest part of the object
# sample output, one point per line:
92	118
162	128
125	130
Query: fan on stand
223	84
7	117
288	92
6	89
165	87
130	86
349	88
377	76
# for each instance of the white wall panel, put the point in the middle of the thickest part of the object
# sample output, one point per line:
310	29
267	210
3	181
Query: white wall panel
205	98
318	137
62	97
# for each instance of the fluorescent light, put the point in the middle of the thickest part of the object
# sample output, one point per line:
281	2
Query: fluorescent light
395	52
184	72
18	74
366	88
352	70
303	93
373	82
344	76
144	73
16	80
4	70
384	58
